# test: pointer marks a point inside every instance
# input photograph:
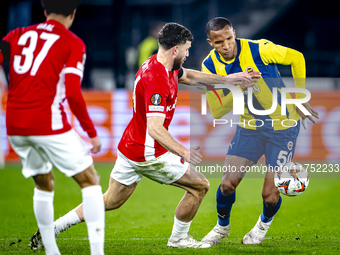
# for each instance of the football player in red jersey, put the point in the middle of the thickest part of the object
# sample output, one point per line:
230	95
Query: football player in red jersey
46	67
148	149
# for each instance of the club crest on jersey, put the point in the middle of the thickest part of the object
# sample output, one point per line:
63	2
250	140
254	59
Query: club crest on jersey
156	99
290	145
249	69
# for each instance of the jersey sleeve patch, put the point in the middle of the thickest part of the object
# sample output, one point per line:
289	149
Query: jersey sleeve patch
156	99
154	108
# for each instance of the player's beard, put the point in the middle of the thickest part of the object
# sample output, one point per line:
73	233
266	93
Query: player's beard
177	63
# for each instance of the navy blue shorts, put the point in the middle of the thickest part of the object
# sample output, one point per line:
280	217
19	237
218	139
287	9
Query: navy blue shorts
277	146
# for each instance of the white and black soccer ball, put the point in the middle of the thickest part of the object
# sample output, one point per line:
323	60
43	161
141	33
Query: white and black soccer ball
291	179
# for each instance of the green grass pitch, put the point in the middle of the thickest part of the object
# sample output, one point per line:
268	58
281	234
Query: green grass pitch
307	224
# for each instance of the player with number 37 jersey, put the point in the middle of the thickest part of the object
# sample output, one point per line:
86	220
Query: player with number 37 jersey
46	64
40	57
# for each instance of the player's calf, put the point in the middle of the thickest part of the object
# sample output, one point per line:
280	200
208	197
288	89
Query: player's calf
117	194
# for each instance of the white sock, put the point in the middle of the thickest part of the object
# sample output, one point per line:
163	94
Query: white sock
94	214
65	222
180	229
43	210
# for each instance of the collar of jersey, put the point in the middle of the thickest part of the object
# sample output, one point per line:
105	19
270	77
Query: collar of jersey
221	59
54	22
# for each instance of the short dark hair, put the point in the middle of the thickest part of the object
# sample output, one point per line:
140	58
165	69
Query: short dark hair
64	7
217	24
173	34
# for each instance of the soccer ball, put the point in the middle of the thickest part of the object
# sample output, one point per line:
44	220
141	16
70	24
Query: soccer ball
291	179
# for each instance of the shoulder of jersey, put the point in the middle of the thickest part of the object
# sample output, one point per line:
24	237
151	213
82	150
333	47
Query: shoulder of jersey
16	33
73	38
259	41
157	70
264	42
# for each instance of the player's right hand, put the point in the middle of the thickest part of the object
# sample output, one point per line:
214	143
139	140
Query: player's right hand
313	113
96	145
193	156
255	76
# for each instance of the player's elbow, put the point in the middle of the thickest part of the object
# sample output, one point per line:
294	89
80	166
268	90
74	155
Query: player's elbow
216	114
295	56
153	131
219	112
300	56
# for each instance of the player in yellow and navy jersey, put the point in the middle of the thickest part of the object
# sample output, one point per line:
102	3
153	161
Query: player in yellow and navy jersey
256	135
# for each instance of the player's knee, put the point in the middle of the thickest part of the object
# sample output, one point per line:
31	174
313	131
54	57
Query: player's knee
203	187
271	199
44	181
228	187
87	178
48	186
92	175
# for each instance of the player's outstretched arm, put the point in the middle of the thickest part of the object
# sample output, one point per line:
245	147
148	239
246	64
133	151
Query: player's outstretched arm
219	108
192	77
162	136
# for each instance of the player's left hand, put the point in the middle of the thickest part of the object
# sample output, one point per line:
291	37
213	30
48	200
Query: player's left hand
313	113
96	145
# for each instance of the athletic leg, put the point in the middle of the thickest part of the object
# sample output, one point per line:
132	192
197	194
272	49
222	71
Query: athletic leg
115	196
225	197
271	204
36	164
196	186
123	182
93	210
44	211
271	198
280	149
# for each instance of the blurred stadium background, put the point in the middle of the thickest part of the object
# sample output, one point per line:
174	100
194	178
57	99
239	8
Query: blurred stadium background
113	31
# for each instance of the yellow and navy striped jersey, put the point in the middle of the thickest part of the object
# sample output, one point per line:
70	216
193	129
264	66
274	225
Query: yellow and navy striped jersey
258	56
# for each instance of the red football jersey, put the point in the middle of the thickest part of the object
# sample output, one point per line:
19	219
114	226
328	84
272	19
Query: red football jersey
155	94
46	65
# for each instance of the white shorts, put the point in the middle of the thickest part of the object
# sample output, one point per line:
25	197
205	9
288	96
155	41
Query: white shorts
165	169
66	151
